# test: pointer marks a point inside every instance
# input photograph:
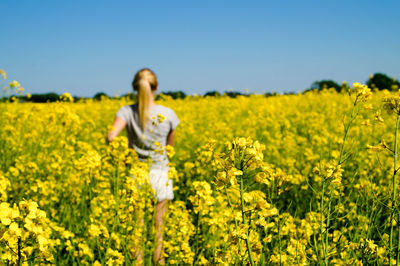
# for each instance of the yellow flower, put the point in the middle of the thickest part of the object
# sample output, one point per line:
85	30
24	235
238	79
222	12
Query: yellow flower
94	230
371	246
14	84
161	118
392	104
241	142
5	213
381	146
3	73
170	151
366	123
66	97
362	91
378	116
15	229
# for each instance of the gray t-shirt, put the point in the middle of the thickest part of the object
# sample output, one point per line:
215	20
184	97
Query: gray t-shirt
145	142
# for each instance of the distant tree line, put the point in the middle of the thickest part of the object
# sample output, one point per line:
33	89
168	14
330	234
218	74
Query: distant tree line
377	81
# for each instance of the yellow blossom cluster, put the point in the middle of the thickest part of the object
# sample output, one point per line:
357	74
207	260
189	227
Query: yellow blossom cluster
25	233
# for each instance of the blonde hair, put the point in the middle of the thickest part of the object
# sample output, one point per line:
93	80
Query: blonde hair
145	82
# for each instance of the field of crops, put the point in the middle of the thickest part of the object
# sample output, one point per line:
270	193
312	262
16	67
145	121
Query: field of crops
289	179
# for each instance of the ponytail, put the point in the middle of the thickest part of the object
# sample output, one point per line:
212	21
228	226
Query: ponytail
144	94
145	82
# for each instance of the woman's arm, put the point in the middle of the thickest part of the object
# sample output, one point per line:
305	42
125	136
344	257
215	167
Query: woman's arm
118	125
170	138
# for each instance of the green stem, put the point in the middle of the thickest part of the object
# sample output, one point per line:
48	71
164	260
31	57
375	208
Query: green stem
322	221
279	240
196	236
346	130
19	252
244	221
398	242
233	212
275	192
327	226
394	192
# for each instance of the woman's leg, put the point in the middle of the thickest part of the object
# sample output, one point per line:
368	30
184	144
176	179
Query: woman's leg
161	207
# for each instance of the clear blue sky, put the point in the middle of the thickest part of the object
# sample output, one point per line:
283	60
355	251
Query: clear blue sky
85	47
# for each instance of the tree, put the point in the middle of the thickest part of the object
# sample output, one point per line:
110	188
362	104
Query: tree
212	93
130	95
100	95
233	94
382	82
270	94
175	94
325	84
45	97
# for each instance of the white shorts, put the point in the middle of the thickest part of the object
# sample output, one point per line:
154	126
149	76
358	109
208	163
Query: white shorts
161	184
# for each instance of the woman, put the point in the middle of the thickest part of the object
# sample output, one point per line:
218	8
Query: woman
150	126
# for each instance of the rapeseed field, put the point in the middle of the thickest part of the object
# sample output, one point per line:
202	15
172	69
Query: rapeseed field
306	179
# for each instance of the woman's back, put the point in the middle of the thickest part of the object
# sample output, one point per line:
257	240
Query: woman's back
149	143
